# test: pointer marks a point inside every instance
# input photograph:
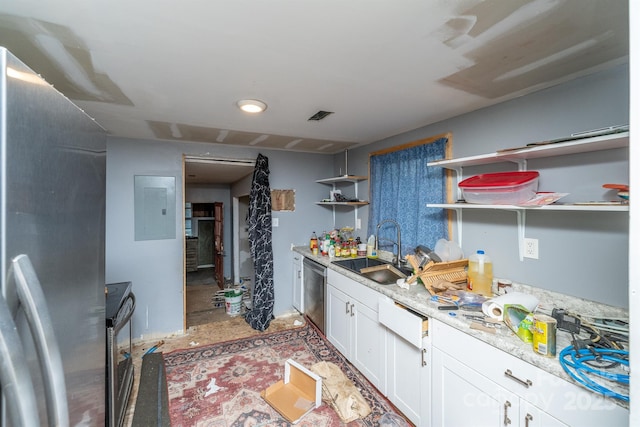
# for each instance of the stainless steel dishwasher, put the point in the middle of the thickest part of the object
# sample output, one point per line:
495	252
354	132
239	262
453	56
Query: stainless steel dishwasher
314	276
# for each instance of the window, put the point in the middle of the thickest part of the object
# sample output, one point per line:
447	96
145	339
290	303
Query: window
401	185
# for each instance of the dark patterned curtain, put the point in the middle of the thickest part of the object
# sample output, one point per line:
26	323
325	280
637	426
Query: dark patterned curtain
261	313
401	186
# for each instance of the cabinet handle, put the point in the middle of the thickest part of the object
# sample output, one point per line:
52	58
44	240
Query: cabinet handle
526	383
507	405
352	310
346	307
424	354
528	418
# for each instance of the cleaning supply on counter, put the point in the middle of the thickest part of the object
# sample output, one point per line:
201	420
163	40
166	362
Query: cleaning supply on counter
372	252
332	249
324	246
480	274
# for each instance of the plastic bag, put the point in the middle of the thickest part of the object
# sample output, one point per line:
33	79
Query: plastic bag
448	250
461	298
392	420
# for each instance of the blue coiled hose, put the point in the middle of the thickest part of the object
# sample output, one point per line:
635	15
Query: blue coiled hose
574	363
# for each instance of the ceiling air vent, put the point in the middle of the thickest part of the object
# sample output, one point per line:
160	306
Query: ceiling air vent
320	115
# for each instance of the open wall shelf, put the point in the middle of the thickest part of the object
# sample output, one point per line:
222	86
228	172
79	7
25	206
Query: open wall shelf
520	156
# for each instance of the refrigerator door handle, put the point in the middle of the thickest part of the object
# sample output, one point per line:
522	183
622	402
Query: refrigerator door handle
35	307
17	387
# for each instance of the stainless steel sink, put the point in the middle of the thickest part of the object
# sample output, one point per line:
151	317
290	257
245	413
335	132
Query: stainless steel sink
357	264
382	272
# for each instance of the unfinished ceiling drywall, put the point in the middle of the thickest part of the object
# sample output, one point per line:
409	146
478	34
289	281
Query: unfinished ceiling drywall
172	70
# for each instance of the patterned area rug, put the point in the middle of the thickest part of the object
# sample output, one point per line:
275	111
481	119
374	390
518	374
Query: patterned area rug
219	385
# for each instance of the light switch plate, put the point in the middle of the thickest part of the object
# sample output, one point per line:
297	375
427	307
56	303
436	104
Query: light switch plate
275	222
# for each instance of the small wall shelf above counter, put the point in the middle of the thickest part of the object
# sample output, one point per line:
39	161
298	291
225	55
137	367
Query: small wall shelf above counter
353	179
343	178
362	203
350	201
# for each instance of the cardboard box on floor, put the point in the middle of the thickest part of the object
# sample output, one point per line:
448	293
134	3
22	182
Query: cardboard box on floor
299	393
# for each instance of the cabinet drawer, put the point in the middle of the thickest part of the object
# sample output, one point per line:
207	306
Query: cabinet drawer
360	292
552	394
403	322
512	373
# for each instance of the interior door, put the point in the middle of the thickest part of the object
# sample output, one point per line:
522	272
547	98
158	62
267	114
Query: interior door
218	247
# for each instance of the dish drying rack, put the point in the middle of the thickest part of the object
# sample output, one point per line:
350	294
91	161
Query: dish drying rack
432	272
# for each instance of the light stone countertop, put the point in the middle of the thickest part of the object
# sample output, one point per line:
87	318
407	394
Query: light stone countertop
418	299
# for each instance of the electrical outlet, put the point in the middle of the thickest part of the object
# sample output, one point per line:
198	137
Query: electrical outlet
531	248
358	224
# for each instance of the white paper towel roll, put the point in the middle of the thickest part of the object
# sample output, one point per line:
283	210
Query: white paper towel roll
494	307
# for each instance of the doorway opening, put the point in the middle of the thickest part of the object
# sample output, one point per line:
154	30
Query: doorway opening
212	225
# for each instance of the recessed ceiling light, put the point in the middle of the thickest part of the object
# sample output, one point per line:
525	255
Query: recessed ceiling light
251	105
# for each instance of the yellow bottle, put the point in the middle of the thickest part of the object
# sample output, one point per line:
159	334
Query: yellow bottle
480	274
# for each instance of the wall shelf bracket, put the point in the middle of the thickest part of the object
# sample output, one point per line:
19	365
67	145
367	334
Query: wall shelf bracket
522	218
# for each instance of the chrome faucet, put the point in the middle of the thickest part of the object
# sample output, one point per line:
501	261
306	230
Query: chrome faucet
397	260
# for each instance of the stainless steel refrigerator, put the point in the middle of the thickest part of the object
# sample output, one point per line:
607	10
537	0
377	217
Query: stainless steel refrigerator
52	225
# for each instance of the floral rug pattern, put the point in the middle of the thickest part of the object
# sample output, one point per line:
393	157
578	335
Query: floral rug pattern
219	385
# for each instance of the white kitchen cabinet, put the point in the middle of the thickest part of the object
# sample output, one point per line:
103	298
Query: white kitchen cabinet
531	416
352	326
408	380
520	157
296	272
463	397
477	384
338	319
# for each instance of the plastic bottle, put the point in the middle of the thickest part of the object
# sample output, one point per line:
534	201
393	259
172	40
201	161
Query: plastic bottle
313	243
371	247
324	245
480	274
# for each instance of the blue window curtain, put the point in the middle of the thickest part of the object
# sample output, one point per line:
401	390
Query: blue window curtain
401	186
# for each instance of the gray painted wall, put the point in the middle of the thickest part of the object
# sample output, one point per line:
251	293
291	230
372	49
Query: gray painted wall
584	255
155	267
581	254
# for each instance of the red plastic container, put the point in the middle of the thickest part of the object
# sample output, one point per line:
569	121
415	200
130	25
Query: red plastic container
500	188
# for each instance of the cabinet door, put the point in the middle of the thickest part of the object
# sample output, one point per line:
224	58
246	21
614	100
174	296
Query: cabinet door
368	344
463	397
531	416
409	378
296	271
337	319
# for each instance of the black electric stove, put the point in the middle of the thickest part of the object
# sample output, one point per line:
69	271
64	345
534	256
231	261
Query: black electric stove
120	304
